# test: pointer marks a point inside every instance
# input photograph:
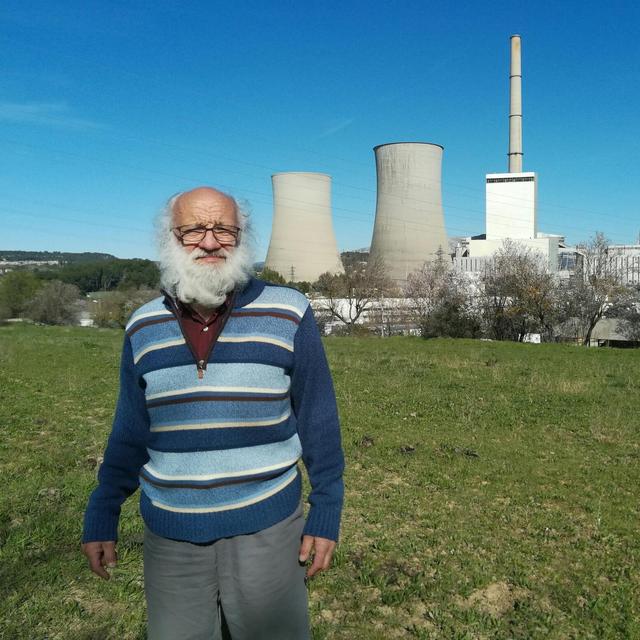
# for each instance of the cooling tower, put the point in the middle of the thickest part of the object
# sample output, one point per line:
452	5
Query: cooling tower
409	227
303	244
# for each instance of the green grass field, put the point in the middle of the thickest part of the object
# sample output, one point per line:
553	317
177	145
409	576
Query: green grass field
492	491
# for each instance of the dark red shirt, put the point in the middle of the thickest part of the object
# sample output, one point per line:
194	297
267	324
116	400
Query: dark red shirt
200	333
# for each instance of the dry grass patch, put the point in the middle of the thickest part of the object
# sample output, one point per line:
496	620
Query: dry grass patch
495	599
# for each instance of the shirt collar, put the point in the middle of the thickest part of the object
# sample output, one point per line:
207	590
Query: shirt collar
187	311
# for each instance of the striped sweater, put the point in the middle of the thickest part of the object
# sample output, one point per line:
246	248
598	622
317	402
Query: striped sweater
215	451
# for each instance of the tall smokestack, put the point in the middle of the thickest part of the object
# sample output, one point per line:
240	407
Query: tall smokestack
515	107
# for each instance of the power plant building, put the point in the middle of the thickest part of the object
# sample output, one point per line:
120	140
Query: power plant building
511	198
303	244
511	206
409	224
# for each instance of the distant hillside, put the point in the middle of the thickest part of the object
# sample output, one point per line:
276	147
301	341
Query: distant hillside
355	257
60	256
105	275
88	271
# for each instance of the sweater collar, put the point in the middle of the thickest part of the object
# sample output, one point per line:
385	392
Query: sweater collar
251	290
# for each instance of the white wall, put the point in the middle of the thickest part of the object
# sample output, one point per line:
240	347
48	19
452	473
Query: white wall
547	247
511	205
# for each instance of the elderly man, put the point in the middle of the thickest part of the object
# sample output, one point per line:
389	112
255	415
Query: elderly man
224	387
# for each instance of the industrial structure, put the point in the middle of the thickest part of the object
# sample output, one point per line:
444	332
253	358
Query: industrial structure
409	230
409	224
303	245
511	198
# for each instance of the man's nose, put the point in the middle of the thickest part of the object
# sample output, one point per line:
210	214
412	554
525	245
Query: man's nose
209	241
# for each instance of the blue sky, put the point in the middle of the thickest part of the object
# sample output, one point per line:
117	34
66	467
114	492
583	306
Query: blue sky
108	108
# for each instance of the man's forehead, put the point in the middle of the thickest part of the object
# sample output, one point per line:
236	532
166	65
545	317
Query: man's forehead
206	204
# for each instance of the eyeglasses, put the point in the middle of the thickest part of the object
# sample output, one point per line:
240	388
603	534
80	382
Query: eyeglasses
194	234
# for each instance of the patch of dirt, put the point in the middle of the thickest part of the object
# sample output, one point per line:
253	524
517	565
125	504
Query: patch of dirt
495	599
385	610
50	493
416	617
327	615
93	604
393	480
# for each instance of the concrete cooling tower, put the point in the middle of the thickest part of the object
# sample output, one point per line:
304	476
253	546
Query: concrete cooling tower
409	226
303	245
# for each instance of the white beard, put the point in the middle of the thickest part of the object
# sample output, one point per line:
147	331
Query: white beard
192	281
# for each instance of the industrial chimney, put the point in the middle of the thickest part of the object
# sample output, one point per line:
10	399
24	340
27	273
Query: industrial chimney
511	210
303	245
511	198
409	226
515	107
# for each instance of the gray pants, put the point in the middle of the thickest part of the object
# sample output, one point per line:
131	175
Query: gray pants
251	584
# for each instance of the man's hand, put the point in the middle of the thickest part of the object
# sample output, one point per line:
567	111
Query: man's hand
102	555
322	553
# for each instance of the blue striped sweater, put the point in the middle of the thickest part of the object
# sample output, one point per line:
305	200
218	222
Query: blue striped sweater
216	456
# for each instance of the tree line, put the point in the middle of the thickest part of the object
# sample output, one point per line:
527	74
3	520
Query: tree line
53	295
62	257
515	297
105	275
58	295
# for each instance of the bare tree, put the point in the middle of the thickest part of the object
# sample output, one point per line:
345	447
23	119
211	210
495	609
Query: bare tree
55	303
115	307
519	294
109	309
627	311
441	301
17	289
540	296
596	286
350	294
630	324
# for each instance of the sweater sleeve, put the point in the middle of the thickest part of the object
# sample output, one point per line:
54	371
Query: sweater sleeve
314	404
125	454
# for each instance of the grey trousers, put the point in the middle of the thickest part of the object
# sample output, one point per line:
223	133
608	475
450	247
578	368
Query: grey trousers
249	587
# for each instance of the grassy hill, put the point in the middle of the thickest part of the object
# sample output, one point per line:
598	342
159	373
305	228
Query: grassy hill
492	491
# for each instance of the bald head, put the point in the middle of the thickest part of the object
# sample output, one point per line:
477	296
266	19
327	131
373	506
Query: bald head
205	206
206	257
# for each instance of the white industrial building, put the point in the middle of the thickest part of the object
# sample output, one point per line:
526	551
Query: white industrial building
626	258
510	206
409	227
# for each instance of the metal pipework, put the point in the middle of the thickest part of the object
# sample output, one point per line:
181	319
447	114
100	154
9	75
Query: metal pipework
515	107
